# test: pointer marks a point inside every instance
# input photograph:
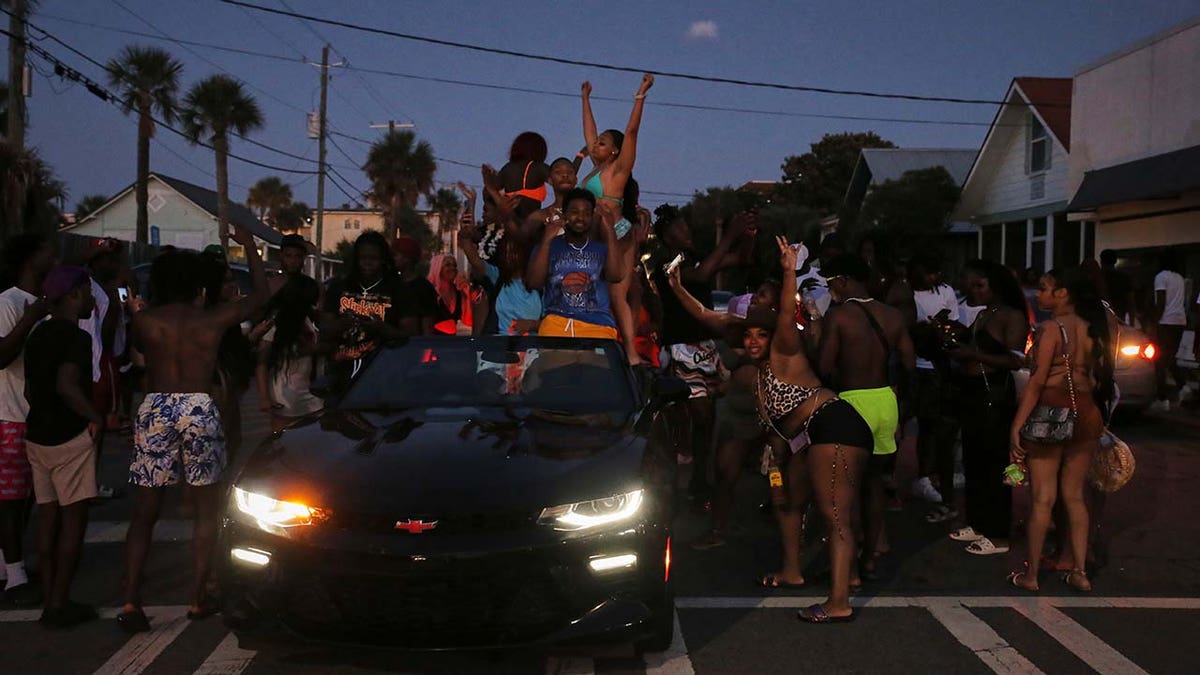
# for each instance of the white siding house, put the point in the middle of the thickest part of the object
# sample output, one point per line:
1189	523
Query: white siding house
1016	192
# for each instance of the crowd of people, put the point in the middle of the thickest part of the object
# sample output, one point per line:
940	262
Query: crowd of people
814	375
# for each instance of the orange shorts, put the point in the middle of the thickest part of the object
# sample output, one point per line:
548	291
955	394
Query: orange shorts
554	325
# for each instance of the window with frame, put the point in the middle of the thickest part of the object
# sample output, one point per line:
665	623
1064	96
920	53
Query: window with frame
1039	146
346	224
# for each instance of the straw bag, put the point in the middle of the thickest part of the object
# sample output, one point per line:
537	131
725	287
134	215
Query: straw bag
1112	465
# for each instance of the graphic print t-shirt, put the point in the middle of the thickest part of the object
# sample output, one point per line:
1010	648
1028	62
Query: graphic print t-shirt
376	303
575	285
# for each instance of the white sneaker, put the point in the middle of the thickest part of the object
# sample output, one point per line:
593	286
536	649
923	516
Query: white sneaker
1163	406
924	489
984	546
966	534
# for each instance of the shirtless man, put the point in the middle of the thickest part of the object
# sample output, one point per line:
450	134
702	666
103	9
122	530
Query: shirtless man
178	433
858	338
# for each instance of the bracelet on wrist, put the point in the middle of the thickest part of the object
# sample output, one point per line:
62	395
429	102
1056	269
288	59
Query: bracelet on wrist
638	97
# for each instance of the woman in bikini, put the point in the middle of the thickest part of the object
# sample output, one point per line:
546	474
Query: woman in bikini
809	423
613	154
1072	367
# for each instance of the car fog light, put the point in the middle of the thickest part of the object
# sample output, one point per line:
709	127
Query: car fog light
612	562
250	556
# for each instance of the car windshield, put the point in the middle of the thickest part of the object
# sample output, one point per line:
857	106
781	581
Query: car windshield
555	374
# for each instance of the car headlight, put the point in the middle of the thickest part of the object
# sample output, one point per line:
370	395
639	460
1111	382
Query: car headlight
272	513
592	513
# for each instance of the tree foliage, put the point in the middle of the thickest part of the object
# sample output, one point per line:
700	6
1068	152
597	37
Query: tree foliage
818	179
446	203
400	169
29	193
267	197
912	209
147	83
292	217
88	205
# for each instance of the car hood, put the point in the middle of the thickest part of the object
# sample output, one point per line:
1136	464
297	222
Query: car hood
446	461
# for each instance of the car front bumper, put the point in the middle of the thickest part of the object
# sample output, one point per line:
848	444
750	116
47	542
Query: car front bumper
452	598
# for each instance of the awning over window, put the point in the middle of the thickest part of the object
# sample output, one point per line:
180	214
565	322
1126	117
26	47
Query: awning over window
1151	178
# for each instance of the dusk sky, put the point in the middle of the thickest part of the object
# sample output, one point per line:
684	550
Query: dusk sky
959	49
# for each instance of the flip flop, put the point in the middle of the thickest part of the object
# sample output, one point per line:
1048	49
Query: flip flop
817	614
1012	579
776	581
133	621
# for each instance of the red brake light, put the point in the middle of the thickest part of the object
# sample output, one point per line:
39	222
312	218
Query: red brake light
667	562
1149	351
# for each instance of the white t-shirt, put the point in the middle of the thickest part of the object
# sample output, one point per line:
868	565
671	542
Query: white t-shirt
1172	284
13	406
818	292
93	324
929	303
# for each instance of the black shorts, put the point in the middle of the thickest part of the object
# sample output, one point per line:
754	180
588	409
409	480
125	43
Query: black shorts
838	422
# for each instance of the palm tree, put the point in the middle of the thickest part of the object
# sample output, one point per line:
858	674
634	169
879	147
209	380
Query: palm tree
400	170
29	193
446	203
147	80
88	206
268	197
213	108
292	217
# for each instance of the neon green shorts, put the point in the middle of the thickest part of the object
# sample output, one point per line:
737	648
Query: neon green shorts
879	409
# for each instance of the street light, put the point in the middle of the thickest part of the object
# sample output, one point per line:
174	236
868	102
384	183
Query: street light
392	125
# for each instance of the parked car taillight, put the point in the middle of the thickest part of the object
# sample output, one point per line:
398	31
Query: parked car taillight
1147	351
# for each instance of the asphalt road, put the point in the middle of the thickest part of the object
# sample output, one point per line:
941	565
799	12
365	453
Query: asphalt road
935	608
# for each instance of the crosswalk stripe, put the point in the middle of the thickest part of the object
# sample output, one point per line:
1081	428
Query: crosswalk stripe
140	650
1078	640
980	638
673	661
894	601
113	531
227	659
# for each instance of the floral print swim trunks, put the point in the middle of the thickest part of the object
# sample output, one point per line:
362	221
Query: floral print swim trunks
177	435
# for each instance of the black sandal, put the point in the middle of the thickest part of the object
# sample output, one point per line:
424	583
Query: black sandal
817	614
133	621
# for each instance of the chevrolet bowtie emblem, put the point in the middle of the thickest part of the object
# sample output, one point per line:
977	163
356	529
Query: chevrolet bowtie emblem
416	526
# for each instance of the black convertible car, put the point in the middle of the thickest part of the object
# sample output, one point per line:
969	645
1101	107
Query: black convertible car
463	493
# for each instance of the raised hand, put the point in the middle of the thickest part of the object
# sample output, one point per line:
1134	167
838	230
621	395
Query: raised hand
241	236
36	310
466	190
787	254
490	178
586	89
647	82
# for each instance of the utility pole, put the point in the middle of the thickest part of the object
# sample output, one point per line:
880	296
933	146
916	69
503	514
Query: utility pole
15	134
319	272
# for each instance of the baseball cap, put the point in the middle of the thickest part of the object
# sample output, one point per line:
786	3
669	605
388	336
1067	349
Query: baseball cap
408	247
62	280
293	241
102	246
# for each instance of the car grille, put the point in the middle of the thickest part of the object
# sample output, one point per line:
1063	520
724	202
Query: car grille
434	604
468	523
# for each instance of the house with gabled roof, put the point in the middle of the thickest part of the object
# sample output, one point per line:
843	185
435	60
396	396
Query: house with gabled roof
181	215
1016	191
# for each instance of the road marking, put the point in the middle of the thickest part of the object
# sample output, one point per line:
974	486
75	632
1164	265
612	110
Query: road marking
19	615
1080	641
979	637
227	659
570	665
894	601
113	531
675	660
140	650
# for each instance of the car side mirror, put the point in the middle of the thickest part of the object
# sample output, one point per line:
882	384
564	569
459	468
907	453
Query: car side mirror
667	390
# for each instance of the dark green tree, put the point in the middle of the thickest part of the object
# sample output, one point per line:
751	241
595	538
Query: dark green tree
818	179
913	209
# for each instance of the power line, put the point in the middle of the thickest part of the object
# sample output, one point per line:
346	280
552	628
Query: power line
619	68
538	92
95	88
205	59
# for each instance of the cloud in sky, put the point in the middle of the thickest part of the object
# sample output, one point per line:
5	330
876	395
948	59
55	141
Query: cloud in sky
702	30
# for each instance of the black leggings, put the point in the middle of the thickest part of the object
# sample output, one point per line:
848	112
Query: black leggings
986	411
